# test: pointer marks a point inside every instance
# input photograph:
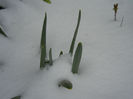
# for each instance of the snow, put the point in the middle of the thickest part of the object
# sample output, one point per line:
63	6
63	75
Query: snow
105	71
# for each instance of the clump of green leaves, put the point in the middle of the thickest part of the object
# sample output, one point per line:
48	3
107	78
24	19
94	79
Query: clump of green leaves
43	60
77	58
43	44
48	1
115	10
75	34
2	32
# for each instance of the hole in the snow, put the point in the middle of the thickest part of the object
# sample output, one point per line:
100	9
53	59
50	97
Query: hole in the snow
1	64
1	7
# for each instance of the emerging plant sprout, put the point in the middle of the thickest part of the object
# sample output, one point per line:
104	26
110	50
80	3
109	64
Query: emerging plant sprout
2	32
16	97
43	44
122	21
48	1
50	57
61	53
77	58
115	10
75	34
65	83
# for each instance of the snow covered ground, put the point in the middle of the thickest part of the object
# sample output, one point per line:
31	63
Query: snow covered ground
106	68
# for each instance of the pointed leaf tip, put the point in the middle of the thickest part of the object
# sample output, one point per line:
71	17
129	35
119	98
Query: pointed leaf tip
75	34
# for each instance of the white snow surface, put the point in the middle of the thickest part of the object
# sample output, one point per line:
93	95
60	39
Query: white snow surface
106	68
